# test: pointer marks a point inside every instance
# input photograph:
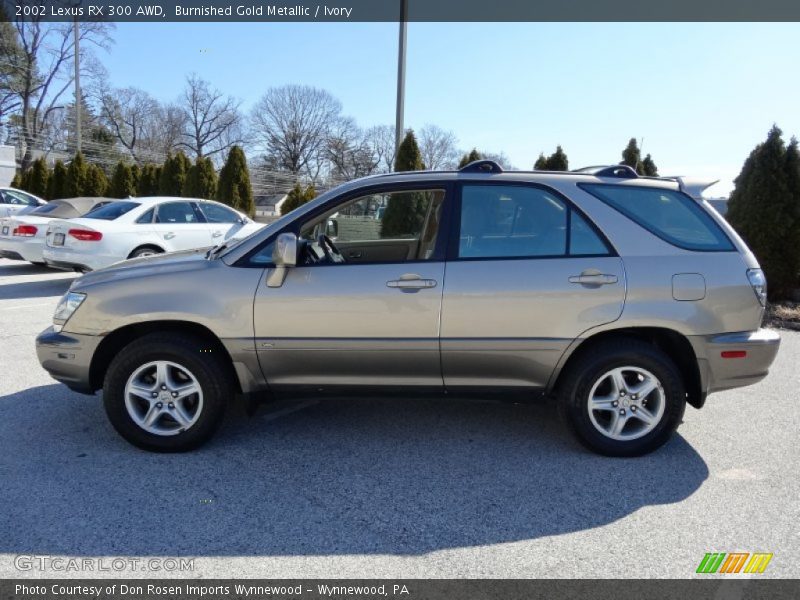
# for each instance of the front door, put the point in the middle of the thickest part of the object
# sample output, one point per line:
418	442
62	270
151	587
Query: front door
528	274
371	320
181	226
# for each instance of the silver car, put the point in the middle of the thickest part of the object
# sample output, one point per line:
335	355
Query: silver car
622	297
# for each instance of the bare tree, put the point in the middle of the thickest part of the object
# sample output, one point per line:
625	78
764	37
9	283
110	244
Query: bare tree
210	117
291	125
165	132
129	113
381	139
350	150
438	147
44	68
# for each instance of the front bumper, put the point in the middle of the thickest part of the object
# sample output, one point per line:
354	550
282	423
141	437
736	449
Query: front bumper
68	358
732	360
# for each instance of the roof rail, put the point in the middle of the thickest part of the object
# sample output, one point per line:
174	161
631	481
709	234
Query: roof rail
481	166
618	171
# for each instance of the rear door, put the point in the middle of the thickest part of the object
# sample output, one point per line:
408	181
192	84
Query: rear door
526	274
181	226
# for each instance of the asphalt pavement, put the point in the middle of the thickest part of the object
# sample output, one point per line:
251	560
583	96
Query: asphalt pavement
387	487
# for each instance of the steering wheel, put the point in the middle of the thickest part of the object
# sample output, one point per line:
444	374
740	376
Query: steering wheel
332	253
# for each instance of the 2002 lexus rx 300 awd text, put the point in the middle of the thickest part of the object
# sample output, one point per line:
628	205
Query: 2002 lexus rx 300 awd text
623	297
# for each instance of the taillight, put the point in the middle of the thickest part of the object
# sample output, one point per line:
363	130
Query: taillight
759	283
24	231
86	235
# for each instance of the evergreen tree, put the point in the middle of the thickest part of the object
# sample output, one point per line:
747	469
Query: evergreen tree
122	183
472	156
17	181
649	168
632	156
136	172
234	183
201	180
149	177
77	172
297	196
765	209
558	160
96	182
57	186
173	174
541	163
405	212
37	177
409	158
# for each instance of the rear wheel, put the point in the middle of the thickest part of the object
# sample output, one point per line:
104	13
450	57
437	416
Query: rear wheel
623	398
145	251
167	393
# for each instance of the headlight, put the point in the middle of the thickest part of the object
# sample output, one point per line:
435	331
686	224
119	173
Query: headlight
68	304
759	283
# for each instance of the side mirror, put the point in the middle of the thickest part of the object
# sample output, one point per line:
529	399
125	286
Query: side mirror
284	255
332	229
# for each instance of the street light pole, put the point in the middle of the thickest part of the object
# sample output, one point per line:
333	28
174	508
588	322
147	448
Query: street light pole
77	88
401	76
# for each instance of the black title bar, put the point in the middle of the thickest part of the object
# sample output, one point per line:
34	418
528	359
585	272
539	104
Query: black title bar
389	10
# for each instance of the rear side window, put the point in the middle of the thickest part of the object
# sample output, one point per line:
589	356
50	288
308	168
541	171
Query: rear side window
111	211
177	212
514	221
672	216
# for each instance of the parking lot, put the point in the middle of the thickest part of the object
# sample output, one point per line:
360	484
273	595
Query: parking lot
386	487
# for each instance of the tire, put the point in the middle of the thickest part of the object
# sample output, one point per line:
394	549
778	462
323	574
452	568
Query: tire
610	373
145	251
184	365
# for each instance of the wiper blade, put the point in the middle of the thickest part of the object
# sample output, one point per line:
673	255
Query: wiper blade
212	252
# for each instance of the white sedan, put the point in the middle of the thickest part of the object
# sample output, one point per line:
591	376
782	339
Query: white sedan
139	227
22	235
13	202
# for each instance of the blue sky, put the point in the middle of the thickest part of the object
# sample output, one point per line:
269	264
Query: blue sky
701	95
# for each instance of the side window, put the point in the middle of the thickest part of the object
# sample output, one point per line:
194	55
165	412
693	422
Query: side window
583	240
672	216
503	221
218	214
176	212
383	227
147	217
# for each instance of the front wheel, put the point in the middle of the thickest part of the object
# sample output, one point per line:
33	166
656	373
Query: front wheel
623	398
167	393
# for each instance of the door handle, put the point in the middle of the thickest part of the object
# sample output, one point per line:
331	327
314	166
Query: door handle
354	254
594	279
411	283
216	234
169	235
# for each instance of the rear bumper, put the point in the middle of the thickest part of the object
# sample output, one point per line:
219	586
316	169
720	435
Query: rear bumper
21	249
749	357
70	260
68	357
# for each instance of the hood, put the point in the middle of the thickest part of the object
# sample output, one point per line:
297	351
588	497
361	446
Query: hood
159	264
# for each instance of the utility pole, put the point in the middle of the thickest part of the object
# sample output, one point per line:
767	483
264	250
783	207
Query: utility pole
401	77
78	104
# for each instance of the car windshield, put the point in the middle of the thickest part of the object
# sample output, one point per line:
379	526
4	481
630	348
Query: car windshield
112	211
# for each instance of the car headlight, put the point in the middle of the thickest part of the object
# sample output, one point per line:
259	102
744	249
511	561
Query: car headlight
68	304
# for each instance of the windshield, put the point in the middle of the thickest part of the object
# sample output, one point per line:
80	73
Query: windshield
112	211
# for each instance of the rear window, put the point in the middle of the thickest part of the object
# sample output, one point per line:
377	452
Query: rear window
672	216
45	209
112	211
